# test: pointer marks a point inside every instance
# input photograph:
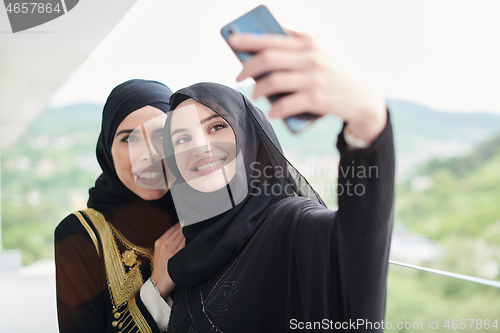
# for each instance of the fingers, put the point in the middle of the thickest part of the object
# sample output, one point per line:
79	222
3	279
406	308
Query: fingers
178	237
181	245
171	238
285	82
173	229
296	65
311	101
300	35
275	60
256	43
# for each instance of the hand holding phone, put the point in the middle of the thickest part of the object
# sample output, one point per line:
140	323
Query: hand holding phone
259	21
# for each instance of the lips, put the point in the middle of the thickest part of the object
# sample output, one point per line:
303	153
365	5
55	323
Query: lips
208	165
151	175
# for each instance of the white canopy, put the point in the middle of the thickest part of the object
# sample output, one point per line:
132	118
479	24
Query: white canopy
34	63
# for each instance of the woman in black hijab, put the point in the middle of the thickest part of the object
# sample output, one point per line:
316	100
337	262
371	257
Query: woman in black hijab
263	253
104	254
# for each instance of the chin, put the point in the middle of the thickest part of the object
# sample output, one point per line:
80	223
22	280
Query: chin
151	194
209	183
208	188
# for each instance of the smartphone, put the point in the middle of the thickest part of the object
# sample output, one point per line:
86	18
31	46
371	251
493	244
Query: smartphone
260	21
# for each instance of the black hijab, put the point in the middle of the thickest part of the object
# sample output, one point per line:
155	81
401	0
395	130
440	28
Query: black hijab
260	168
140	221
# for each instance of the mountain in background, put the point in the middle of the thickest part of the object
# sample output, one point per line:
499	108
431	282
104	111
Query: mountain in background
47	173
454	203
420	133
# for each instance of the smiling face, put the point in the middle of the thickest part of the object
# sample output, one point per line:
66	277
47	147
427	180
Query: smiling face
137	153
204	146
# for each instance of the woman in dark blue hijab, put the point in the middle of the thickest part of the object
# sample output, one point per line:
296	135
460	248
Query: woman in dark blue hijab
104	254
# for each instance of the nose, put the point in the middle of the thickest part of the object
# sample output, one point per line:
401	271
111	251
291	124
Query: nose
201	144
149	153
202	150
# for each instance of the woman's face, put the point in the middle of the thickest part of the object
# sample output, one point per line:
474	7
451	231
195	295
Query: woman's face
204	146
137	152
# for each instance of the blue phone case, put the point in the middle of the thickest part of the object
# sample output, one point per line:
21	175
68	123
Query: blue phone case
259	21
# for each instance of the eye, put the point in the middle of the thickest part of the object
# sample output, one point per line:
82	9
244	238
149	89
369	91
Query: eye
217	127
129	139
182	140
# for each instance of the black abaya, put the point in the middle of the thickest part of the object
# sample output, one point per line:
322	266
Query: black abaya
104	254
299	265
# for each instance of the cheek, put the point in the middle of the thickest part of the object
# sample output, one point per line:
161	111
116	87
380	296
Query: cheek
228	136
228	143
121	160
182	159
186	163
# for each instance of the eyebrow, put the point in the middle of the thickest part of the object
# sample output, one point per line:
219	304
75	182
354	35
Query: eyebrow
127	131
201	123
158	130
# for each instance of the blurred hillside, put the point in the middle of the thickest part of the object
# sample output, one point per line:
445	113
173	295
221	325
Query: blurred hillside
420	134
47	173
454	202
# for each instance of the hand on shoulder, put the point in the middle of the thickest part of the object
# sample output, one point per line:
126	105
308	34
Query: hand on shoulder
165	247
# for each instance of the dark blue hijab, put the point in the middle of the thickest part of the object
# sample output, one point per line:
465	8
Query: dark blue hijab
141	221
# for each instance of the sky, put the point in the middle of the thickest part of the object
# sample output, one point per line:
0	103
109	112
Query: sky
443	54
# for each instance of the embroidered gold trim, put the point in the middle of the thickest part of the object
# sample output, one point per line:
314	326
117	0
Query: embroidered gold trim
128	321
143	250
138	318
129	258
89	230
125	319
122	285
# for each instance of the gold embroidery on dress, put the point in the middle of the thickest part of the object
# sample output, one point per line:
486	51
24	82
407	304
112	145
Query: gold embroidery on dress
122	285
146	252
89	230
138	318
129	258
142	250
130	319
124	320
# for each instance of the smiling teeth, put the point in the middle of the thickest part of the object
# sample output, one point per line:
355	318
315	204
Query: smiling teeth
205	166
149	175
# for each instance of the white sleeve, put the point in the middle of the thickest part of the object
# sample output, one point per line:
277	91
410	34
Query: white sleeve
352	141
156	305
